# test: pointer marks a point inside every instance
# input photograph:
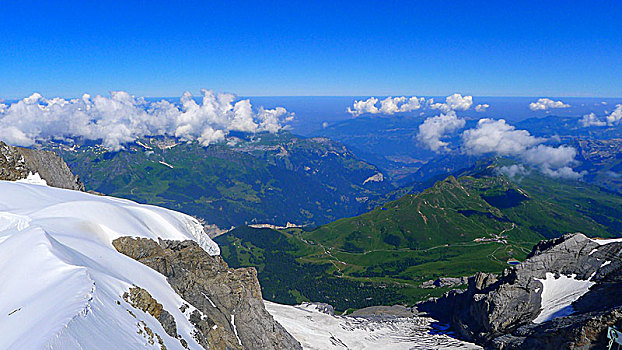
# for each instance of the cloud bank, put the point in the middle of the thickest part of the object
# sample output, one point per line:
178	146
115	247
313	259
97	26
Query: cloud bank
544	104
496	137
123	118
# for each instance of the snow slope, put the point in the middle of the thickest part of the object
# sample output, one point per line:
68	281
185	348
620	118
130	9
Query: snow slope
62	281
317	330
558	294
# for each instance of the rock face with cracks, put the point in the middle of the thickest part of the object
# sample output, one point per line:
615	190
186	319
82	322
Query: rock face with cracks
504	312
17	163
229	313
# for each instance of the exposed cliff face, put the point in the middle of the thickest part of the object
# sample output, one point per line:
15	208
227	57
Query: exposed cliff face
517	310
17	162
230	311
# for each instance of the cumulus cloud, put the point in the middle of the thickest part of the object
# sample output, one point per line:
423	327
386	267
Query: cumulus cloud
499	138
591	120
435	128
389	105
455	102
392	105
615	117
482	107
611	119
544	104
123	118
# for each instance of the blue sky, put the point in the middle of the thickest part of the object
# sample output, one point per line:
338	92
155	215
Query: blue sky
153	48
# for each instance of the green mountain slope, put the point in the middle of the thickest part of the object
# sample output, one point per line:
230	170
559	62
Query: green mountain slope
264	178
477	222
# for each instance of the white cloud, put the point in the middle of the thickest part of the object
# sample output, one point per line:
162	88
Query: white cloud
122	118
616	116
482	107
544	104
499	138
455	102
389	105
513	170
611	119
401	104
591	120
435	128
364	106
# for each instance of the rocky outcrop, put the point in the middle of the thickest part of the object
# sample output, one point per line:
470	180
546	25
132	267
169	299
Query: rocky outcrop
498	312
17	163
229	313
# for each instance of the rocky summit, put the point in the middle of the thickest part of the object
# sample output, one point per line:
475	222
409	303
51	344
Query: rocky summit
564	295
18	163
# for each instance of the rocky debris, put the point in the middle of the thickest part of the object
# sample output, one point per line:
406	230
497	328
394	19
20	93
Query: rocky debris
324	308
498	312
141	299
230	311
444	282
17	162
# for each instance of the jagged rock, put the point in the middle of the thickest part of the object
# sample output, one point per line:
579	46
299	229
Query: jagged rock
17	162
141	299
229	300
443	282
498	313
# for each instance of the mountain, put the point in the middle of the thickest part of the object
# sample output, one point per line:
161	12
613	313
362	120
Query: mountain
563	296
601	162
264	178
108	273
19	163
480	221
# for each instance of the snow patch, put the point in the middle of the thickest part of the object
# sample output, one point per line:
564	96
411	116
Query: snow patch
34	179
166	164
606	241
235	329
558	294
375	178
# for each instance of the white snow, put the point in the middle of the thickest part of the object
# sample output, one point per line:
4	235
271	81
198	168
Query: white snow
166	164
235	329
34	179
317	330
558	294
606	241
61	278
378	177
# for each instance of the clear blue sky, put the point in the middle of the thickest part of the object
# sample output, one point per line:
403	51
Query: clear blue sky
154	48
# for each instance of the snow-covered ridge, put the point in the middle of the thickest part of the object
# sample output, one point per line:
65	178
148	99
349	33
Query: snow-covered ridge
62	280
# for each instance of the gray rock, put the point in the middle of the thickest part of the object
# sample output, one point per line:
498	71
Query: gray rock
17	162
217	291
498	312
